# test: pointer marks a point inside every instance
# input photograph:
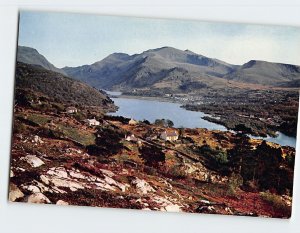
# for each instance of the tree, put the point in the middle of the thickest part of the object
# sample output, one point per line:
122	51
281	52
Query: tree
236	155
164	123
268	167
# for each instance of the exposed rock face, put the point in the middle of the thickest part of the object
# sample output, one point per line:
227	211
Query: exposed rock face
14	192
38	198
61	202
33	160
142	186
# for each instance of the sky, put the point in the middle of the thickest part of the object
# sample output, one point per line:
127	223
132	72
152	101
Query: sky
72	39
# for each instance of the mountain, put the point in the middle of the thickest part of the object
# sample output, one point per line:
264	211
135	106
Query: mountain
59	87
267	73
149	68
169	68
32	56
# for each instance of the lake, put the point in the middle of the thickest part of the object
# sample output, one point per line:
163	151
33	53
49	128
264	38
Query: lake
141	109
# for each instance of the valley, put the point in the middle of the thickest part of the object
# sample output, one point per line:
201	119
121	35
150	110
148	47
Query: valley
187	150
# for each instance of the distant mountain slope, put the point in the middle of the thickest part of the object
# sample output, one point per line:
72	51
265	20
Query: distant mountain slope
167	67
267	73
148	68
59	87
32	56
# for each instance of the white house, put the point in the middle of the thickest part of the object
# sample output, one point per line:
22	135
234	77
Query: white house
132	122
92	122
169	135
71	110
131	138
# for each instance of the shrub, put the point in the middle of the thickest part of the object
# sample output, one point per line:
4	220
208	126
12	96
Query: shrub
221	157
277	203
235	181
177	172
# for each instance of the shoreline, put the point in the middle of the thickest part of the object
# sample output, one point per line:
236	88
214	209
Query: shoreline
168	100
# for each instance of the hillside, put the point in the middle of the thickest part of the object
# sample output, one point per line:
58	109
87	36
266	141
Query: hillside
59	87
121	71
266	73
58	159
32	56
179	70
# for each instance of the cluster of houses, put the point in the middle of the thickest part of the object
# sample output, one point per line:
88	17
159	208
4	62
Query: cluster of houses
89	122
167	134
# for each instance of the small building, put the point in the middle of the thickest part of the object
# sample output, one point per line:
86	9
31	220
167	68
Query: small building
131	138
92	122
132	122
169	135
71	110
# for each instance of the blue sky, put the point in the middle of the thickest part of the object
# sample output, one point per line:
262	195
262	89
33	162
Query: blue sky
69	39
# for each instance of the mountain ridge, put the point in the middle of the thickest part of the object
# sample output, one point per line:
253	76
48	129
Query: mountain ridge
165	66
31	56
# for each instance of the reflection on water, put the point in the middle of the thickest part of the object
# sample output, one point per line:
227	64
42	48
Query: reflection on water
152	110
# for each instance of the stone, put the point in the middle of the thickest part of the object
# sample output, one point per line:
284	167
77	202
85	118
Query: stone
61	202
14	192
142	186
33	160
38	198
37	139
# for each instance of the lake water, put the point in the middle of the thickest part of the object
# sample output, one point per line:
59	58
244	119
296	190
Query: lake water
141	109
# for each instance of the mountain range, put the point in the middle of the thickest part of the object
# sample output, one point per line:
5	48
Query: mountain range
170	68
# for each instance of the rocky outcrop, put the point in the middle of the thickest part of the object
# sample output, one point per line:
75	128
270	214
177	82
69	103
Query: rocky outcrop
33	160
14	192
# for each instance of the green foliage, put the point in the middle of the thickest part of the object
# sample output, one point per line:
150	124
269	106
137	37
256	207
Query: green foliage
177	172
214	159
19	127
82	137
235	181
107	141
79	116
290	159
38	119
152	155
221	157
164	122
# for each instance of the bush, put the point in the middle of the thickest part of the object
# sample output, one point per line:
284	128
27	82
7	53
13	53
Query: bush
177	172
235	181
277	203
19	127
221	157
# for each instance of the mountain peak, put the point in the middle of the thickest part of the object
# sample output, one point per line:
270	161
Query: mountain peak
31	56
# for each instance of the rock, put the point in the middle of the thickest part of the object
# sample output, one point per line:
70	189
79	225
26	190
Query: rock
14	192
142	186
38	198
173	208
76	175
12	174
32	188
166	205
205	201
33	160
37	139
58	172
20	169
44	179
61	202
107	172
